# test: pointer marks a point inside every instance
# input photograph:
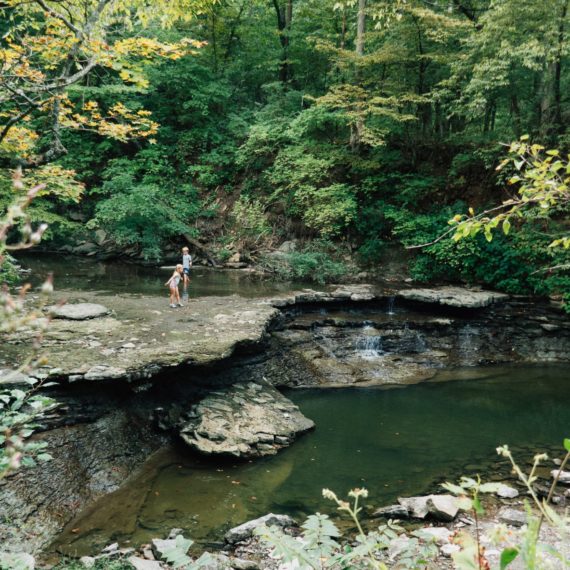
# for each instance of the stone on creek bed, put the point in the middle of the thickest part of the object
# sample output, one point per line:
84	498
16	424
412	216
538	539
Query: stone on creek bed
78	311
245	531
244	420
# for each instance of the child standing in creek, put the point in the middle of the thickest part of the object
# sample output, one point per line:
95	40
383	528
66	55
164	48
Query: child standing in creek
173	283
186	264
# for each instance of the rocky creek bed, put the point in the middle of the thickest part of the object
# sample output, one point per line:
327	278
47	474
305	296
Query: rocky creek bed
137	373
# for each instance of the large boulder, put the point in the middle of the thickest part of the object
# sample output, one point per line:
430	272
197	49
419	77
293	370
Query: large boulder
244	420
78	311
288	246
439	507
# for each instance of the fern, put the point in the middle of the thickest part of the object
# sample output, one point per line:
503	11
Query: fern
319	534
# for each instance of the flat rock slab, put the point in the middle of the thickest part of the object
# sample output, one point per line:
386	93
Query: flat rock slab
244	420
78	311
453	297
142	337
137	337
512	517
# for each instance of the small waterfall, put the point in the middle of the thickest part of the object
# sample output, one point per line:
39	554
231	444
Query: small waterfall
369	346
468	344
391	303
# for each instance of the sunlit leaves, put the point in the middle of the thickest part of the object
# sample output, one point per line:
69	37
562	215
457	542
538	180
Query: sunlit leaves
49	46
19	142
543	182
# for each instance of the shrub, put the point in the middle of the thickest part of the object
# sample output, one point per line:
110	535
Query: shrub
249	224
315	263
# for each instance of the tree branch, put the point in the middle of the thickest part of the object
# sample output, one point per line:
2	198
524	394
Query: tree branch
69	80
553	268
13	121
59	16
507	204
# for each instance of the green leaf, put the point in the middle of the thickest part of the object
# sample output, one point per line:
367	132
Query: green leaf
506	227
478	506
176	554
567	444
455	489
507	556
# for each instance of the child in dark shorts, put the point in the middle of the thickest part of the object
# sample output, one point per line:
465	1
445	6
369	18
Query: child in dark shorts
186	265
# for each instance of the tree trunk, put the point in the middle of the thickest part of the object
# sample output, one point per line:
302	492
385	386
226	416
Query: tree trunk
358	128
360	27
343	30
214	40
232	35
558	119
516	114
284	15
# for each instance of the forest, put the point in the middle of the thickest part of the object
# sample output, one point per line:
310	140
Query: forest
350	126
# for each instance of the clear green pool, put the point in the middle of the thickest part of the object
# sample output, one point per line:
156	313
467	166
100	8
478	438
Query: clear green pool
396	442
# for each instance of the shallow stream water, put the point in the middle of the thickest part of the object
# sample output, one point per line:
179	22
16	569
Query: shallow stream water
84	274
395	442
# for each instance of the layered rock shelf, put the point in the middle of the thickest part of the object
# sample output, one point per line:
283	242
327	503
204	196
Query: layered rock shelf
244	420
102	337
132	338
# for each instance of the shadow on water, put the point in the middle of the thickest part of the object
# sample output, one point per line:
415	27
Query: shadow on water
395	442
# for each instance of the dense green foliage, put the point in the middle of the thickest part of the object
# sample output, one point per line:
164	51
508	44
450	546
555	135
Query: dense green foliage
367	124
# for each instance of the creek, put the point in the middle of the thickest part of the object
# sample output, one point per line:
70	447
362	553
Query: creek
394	440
